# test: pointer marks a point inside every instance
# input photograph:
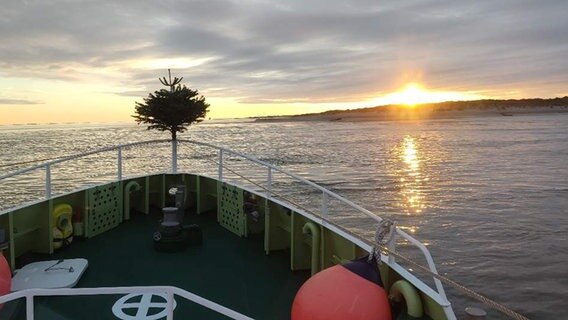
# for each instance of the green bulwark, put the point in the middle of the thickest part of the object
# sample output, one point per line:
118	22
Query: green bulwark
105	209
230	213
290	239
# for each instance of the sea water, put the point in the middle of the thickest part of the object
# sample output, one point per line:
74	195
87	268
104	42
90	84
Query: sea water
489	196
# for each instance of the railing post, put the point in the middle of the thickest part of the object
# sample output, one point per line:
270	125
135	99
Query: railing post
170	302
174	156
324	205
29	306
269	183
119	173
220	164
47	181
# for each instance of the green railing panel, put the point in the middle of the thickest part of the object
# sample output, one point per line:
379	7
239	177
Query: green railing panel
231	214
105	208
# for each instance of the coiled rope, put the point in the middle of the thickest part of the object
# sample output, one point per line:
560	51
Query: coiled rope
384	234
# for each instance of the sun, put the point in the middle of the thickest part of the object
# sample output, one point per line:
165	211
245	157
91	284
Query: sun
412	94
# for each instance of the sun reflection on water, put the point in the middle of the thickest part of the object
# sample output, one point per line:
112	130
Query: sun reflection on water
409	155
411	177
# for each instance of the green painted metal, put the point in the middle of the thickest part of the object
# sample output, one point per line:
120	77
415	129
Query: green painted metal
199	197
207	192
228	270
230	212
403	290
50	224
266	226
300	244
163	192
29	230
431	308
257	226
6	225
131	186
336	249
311	229
105	209
190	182
147	195
155	192
277	227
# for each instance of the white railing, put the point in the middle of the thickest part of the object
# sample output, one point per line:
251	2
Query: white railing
220	160
169	291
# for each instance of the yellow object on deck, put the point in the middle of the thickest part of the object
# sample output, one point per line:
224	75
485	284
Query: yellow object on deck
63	228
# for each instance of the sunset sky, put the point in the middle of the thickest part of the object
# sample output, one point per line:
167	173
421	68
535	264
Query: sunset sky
75	61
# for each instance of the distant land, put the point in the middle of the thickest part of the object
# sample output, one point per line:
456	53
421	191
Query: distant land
441	110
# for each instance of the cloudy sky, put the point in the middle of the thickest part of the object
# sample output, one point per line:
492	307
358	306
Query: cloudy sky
73	60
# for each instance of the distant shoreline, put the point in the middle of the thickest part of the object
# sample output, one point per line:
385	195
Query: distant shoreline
453	114
444	110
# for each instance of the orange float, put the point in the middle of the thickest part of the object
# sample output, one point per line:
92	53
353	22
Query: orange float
341	293
5	277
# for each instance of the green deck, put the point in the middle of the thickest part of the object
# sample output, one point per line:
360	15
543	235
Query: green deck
228	269
232	271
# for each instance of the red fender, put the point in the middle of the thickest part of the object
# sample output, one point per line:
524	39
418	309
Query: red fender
5	277
337	293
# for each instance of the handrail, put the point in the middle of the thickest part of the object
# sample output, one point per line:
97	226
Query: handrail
77	156
429	260
170	291
225	151
292	175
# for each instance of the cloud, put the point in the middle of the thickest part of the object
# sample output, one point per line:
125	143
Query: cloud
6	101
133	93
310	51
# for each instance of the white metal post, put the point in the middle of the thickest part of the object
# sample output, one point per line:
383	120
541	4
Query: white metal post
119	173
269	183
174	156
220	164
170	296
324	204
29	307
47	181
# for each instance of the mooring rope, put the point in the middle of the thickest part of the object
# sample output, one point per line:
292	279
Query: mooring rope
463	289
383	235
28	162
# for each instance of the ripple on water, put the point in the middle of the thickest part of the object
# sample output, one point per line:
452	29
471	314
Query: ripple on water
489	196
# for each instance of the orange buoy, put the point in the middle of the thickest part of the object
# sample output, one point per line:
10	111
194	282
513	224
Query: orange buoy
5	277
339	293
